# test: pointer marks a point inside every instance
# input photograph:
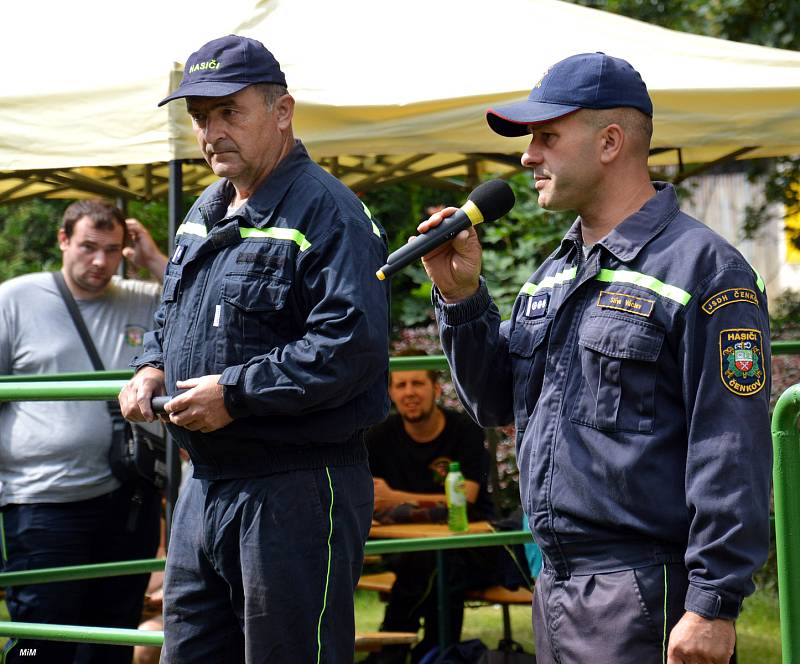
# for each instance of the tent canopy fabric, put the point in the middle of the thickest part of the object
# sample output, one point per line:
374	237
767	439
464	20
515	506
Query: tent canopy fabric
385	91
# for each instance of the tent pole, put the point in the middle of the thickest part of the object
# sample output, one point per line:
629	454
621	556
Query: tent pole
175	207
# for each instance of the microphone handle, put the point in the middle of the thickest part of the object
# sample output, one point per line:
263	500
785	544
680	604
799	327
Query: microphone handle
424	243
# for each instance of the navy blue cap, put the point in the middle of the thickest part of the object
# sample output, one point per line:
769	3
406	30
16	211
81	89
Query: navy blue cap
588	80
226	65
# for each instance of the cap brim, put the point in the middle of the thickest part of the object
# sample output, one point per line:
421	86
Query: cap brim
514	119
204	89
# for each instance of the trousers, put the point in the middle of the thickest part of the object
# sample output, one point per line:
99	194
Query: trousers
263	570
112	527
622	617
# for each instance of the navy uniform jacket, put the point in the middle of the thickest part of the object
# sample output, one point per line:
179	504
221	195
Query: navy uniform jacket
280	297
638	381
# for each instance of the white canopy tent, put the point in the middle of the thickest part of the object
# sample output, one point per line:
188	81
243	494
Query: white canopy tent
384	91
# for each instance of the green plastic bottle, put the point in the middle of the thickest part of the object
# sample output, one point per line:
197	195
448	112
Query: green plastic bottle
456	499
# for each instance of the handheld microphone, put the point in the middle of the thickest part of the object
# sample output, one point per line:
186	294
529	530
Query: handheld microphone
487	202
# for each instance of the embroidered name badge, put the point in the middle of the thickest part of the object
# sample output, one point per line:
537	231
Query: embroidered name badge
740	358
536	306
641	306
729	296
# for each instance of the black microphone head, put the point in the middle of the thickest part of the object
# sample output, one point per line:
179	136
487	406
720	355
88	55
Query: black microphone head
493	198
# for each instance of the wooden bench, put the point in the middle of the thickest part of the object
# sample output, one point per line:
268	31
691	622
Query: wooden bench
374	641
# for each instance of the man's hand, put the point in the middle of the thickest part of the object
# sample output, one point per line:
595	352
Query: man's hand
135	397
698	640
455	266
384	494
144	252
201	407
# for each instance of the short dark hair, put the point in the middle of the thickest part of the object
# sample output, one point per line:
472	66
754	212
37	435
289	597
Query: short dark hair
103	214
414	352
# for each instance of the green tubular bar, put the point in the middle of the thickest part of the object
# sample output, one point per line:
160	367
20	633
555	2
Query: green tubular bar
117	636
62	390
449	542
75	572
785	347
52	574
786	479
81	634
117	374
99	385
96	381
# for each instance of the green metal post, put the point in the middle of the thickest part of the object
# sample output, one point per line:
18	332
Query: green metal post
786	479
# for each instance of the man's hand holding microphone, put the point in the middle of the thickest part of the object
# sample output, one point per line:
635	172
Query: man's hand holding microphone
454	266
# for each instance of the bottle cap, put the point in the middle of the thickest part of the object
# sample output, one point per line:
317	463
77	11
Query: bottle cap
455	466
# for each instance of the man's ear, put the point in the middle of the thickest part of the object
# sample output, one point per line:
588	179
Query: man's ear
437	391
63	240
612	138
284	111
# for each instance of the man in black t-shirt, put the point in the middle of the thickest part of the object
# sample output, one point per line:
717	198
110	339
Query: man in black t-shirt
409	455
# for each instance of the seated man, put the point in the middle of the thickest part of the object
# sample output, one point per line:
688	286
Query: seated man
409	455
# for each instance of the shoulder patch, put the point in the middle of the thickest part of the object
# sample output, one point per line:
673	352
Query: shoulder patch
741	360
729	296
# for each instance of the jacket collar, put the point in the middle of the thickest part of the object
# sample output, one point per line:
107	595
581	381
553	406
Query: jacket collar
628	238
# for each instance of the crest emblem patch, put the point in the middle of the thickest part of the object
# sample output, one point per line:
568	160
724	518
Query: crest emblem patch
741	361
134	335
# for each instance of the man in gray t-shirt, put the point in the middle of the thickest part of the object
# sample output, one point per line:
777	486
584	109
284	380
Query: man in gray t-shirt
59	503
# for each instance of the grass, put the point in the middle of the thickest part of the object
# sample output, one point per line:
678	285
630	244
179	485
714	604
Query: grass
758	627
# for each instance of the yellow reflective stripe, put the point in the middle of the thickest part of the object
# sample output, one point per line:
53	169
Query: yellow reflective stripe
192	228
549	282
759	280
375	228
277	234
645	281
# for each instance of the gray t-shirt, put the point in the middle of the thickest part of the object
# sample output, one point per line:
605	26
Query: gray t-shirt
57	451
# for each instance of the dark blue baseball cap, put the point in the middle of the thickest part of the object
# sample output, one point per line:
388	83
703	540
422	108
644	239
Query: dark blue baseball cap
588	80
226	65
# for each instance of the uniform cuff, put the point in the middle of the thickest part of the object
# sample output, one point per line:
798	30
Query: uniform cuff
150	360
712	603
464	311
232	381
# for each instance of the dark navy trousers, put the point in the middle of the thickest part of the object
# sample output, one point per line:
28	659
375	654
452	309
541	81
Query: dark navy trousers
264	569
622	617
99	530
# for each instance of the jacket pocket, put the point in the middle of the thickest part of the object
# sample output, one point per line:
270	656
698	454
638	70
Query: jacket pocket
618	359
252	318
527	366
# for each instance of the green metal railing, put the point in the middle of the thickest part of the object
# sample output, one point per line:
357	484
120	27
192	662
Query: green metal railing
87	386
786	480
129	637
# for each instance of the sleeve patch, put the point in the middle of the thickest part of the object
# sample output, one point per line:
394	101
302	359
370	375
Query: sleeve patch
740	359
729	296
